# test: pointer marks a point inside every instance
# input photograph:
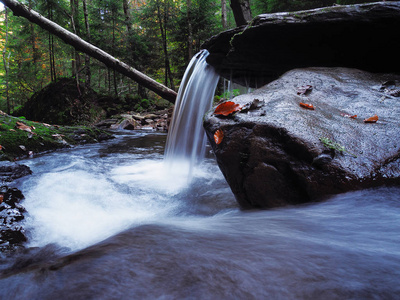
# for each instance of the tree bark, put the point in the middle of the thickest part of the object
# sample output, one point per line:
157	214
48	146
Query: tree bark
241	12
20	9
190	30
5	62
88	73
162	20
224	15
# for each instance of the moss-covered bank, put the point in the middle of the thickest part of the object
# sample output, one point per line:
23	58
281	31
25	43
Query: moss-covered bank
21	138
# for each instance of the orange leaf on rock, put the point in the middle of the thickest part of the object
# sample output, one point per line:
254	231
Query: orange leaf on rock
1	198
306	105
372	119
227	108
218	136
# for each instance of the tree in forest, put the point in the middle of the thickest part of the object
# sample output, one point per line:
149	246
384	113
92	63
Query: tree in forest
90	49
156	37
6	62
88	39
241	11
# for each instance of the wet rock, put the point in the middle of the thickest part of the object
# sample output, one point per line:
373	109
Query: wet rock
362	36
106	123
10	171
279	153
150	121
12	234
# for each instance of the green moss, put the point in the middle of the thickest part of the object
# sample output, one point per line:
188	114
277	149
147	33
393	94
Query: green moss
39	137
334	146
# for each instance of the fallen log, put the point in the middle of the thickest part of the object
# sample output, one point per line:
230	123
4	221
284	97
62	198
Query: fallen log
79	44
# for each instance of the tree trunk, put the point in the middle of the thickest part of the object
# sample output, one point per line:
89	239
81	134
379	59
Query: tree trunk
224	15
162	20
140	90
88	73
6	63
76	59
51	50
127	16
20	9
241	11
190	30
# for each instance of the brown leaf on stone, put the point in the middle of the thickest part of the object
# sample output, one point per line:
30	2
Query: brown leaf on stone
372	119
227	108
218	136
304	90
1	198
307	106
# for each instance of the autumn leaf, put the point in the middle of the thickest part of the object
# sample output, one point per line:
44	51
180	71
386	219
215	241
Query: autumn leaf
304	90
1	198
22	126
218	136
307	106
227	108
372	119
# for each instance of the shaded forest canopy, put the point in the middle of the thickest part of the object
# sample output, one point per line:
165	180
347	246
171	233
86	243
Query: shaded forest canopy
157	37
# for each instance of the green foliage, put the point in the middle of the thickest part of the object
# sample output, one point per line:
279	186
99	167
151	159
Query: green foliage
154	32
143	105
334	146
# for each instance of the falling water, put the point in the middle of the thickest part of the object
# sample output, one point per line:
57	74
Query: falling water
186	138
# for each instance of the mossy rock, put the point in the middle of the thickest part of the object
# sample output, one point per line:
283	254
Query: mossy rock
20	138
63	102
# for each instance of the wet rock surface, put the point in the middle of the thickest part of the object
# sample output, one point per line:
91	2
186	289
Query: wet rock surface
10	171
12	234
362	36
276	152
157	120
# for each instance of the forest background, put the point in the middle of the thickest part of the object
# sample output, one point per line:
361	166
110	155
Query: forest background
157	37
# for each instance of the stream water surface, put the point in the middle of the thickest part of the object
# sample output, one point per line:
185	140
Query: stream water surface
107	221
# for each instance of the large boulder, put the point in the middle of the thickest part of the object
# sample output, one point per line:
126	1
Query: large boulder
275	152
63	102
363	36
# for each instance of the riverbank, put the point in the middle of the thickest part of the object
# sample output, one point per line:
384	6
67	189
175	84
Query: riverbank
21	138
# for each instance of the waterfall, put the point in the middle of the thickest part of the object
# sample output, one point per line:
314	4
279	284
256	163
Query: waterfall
186	139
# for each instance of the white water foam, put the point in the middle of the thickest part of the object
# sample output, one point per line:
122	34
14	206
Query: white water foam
76	209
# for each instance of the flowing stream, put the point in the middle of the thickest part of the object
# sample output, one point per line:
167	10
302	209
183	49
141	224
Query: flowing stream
105	223
115	220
